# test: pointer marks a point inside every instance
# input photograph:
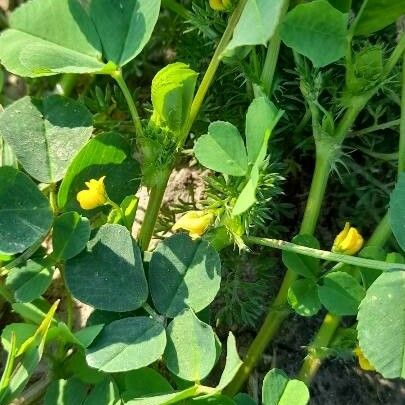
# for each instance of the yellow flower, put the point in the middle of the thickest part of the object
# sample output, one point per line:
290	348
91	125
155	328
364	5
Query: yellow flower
95	196
363	361
221	5
349	241
195	222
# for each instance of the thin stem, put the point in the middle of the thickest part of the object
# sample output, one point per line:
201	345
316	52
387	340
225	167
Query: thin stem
316	351
377	127
324	254
270	63
331	322
117	75
178	8
212	68
152	212
401	154
379	238
157	192
317	190
67	84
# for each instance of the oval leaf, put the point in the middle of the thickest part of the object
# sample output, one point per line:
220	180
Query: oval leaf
25	213
191	351
107	155
127	344
183	273
341	293
303	265
46	134
222	149
316	30
278	389
381	326
303	297
110	274
36	45
30	281
71	232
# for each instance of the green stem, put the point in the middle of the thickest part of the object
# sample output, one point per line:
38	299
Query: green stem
316	351
177	8
212	68
66	84
157	192
117	75
324	254
152	212
331	322
380	236
320	178
270	63
401	153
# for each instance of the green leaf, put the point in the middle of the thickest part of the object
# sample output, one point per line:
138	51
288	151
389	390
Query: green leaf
183	273
381	324
127	344
104	393
109	275
397	211
341	293
316	30
37	45
126	215
22	332
76	365
261	118
222	149
46	134
212	400
172	95
232	365
87	335
190	352
303	265
71	232
257	24
243	399
62	392
303	297
109	155
247	197
278	389
25	213
165	399
29	356
144	382
368	276
124	29
377	14
30	281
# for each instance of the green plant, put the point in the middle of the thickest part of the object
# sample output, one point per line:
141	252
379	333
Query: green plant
151	338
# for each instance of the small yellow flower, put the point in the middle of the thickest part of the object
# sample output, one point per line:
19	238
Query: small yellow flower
363	361
221	5
349	241
195	222
95	196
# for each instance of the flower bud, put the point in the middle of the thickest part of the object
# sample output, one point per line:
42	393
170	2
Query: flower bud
195	222
221	5
349	241
95	196
363	361
172	95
